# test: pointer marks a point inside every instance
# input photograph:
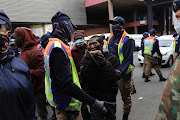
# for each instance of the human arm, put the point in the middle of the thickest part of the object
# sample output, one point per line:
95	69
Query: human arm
128	49
60	67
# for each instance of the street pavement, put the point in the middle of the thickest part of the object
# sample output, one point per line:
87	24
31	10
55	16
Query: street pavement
146	101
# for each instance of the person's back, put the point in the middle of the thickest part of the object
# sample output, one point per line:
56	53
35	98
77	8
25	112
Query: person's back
16	92
34	58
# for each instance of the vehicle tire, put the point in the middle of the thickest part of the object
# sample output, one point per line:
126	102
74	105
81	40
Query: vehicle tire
170	61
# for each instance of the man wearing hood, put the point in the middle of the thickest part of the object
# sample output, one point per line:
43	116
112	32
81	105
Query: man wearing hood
63	89
34	58
17	101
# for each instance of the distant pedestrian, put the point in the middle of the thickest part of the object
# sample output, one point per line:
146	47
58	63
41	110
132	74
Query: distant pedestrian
145	35
34	58
153	56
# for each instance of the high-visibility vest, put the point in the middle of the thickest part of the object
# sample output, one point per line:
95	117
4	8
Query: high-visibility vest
120	49
40	47
105	45
148	47
74	105
174	45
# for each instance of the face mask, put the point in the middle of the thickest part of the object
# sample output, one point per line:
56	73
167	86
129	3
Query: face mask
177	26
116	29
4	40
79	42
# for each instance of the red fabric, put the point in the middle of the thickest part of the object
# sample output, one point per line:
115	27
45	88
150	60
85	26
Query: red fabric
77	56
32	56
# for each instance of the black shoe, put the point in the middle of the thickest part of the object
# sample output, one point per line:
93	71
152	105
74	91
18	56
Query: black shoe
134	90
147	79
125	115
143	76
152	74
161	78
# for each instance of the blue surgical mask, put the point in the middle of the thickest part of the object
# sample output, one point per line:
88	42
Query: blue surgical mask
116	29
79	42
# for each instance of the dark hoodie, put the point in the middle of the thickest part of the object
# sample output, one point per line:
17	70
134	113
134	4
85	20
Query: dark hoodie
32	56
16	92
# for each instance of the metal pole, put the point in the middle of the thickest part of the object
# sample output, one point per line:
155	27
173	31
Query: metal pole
164	32
135	16
111	13
150	17
169	20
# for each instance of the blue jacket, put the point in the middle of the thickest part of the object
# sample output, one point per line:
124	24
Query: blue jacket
128	49
16	92
177	45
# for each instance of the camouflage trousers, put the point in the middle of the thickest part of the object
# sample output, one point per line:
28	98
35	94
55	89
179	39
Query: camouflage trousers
150	63
169	108
125	87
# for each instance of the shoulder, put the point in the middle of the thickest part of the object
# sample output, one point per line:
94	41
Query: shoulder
19	64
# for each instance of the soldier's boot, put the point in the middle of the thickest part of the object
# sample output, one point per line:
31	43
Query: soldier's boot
133	90
161	78
125	116
143	76
152	74
147	79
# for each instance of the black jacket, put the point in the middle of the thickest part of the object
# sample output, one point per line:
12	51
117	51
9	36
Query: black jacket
101	80
16	92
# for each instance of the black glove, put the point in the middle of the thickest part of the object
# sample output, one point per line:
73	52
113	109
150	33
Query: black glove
99	105
103	106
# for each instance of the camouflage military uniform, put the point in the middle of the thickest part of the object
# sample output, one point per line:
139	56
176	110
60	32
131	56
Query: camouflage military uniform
169	108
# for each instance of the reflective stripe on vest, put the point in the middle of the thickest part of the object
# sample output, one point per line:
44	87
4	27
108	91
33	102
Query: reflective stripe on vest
120	49
174	45
74	105
148	46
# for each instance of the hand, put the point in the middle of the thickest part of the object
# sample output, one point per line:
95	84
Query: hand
118	74
99	57
103	106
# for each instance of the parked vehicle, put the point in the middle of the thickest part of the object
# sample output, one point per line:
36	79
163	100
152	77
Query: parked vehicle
137	39
166	48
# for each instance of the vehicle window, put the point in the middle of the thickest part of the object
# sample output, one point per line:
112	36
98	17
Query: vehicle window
165	43
137	39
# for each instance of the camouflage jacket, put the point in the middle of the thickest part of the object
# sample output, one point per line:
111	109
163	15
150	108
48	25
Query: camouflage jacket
169	108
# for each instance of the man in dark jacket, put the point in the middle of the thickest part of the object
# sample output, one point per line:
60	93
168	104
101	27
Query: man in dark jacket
98	72
17	100
34	58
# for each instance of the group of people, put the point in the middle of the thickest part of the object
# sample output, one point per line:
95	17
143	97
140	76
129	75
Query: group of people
71	79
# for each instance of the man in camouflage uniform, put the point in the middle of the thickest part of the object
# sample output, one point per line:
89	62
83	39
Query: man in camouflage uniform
169	108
